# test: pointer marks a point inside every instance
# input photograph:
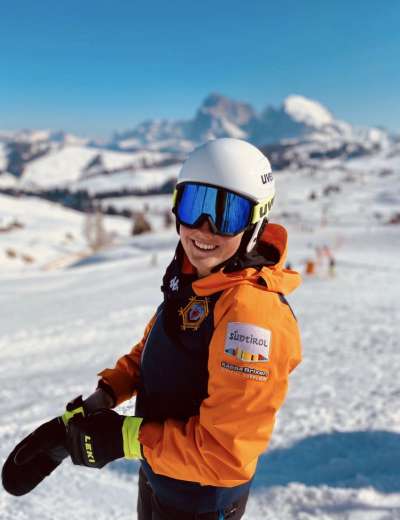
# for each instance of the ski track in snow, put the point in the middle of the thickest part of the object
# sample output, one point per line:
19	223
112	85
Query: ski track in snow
335	452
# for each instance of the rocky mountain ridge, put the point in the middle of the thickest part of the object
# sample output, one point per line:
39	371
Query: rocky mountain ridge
298	118
299	132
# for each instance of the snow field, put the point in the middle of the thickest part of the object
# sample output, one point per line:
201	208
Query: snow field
333	453
65	166
51	236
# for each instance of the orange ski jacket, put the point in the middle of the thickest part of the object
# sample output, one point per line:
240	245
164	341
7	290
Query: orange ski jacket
255	344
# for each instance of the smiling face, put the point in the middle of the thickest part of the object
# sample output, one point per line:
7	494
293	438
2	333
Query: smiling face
205	249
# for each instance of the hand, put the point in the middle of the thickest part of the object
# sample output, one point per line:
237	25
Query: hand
38	455
102	437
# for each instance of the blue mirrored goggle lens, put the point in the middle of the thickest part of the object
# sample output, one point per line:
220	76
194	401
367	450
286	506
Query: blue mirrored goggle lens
229	212
236	214
196	200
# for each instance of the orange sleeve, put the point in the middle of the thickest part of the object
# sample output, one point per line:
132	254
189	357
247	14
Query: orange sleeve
124	377
220	447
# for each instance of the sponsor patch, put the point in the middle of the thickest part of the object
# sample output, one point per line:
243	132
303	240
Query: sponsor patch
247	342
247	372
194	313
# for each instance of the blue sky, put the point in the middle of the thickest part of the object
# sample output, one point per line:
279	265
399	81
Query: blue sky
92	67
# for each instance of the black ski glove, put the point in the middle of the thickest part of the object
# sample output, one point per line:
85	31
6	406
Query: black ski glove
34	458
38	455
102	437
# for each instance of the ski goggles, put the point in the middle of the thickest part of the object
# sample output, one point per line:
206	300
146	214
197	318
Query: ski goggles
227	212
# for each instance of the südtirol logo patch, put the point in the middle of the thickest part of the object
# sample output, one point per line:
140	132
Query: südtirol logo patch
247	342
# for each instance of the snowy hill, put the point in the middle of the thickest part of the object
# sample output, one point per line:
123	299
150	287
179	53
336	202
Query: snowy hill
46	160
38	136
363	191
8	181
150	134
38	235
3	157
141	180
71	164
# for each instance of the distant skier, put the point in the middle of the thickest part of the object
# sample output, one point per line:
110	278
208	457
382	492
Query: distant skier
318	257
211	370
332	266
310	267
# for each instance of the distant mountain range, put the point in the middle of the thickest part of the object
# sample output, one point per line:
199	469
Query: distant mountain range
299	132
298	118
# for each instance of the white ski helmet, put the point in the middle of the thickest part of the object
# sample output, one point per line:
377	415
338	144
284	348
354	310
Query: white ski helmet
237	166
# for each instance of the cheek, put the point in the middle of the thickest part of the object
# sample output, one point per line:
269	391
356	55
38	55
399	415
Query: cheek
232	245
184	235
228	247
186	242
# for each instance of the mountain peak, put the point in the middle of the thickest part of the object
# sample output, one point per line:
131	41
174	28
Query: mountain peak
228	111
307	111
214	98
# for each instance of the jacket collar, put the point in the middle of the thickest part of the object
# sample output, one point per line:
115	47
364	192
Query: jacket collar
264	265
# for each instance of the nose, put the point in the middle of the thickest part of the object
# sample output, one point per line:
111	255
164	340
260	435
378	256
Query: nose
205	227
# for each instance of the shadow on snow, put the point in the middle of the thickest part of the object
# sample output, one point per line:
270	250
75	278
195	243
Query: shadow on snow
338	459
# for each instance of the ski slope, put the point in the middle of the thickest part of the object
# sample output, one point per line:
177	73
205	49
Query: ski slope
45	235
335	452
66	165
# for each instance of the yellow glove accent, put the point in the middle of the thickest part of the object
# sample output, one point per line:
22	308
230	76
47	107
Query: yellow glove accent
130	436
68	415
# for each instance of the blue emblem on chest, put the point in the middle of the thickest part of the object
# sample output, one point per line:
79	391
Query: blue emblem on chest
194	313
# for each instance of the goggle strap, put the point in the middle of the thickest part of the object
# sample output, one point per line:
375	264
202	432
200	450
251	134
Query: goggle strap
261	210
253	239
174	197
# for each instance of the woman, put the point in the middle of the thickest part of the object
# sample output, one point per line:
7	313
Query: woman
212	368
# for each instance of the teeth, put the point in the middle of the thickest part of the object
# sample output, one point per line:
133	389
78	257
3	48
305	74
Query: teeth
204	246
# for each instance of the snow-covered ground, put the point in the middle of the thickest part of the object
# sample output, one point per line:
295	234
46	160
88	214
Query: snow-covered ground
8	181
142	180
3	157
65	165
335	452
44	235
359	192
156	204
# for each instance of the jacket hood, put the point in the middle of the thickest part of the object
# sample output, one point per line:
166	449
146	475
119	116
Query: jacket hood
262	267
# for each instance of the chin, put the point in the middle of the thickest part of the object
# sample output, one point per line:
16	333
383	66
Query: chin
202	265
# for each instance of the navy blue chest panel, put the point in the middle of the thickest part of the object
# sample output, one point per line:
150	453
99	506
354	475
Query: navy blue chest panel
174	373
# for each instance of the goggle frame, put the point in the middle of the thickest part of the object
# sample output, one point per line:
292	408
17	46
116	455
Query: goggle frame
259	210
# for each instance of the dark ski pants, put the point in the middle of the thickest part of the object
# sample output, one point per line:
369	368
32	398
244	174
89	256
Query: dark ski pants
150	508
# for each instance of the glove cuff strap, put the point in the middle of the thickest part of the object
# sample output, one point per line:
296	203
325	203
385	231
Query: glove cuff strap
73	408
130	436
